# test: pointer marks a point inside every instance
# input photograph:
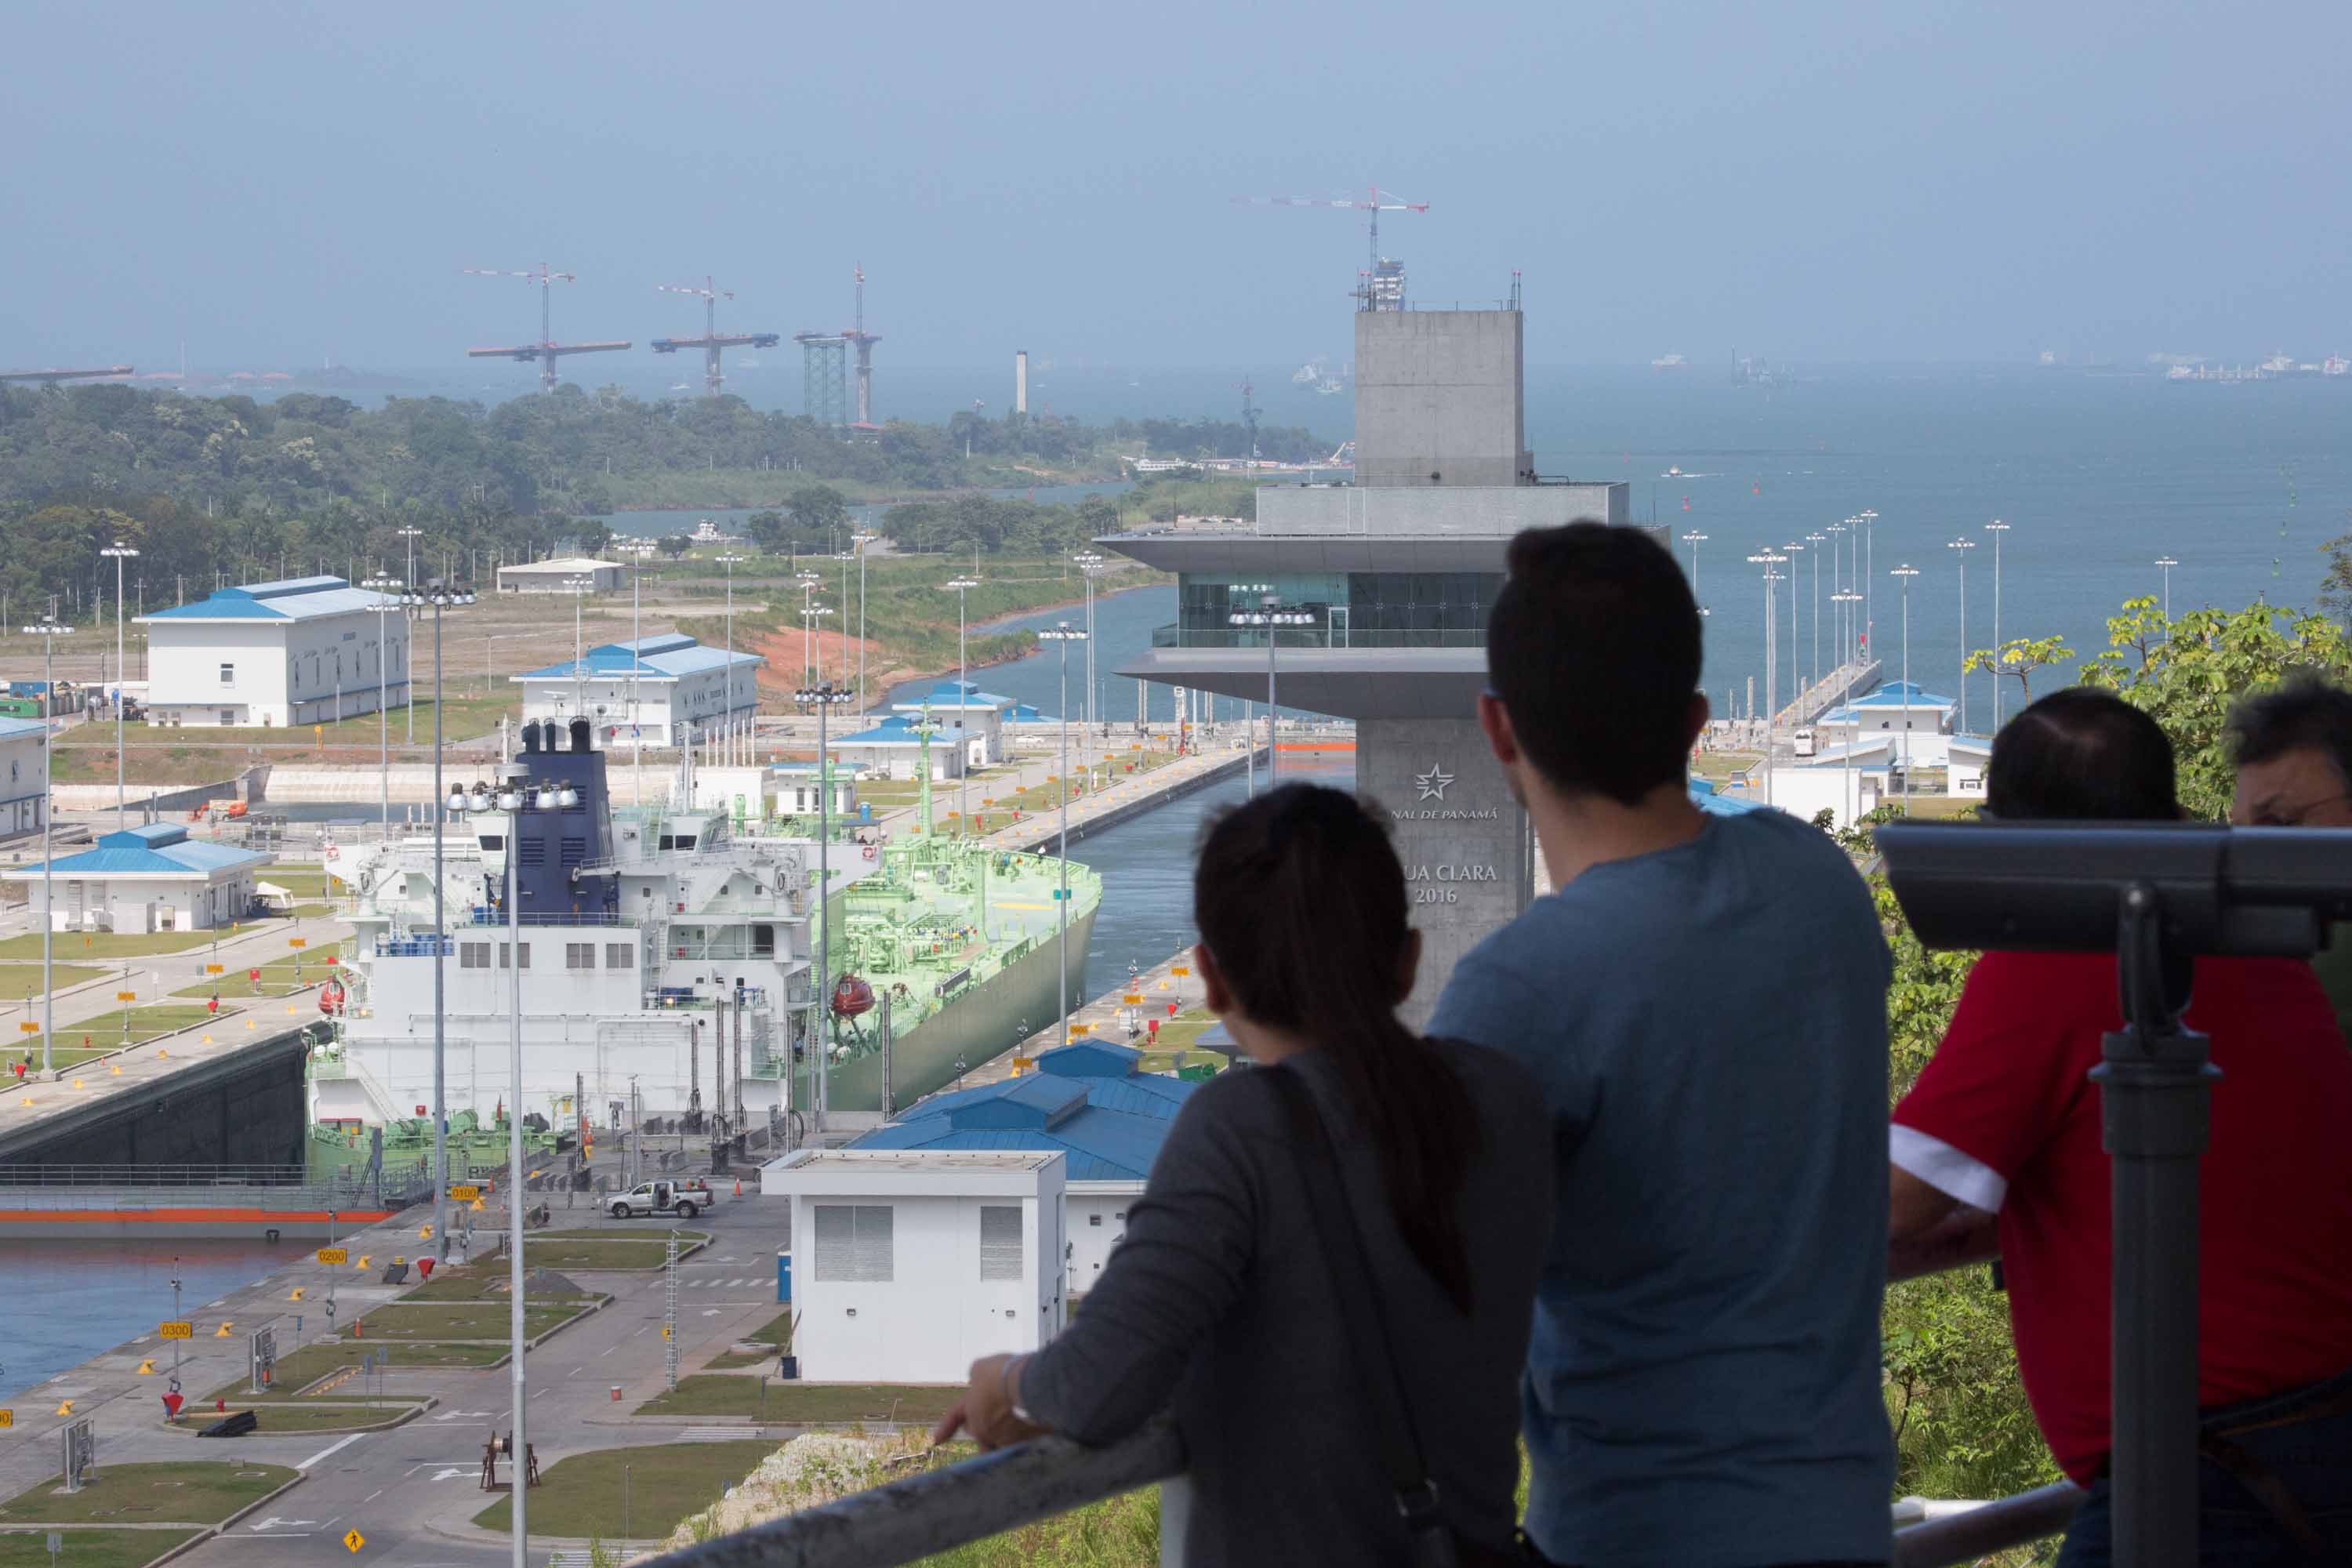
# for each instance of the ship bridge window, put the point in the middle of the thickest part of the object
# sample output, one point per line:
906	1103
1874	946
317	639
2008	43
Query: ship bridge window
473	955
579	955
620	956
494	840
764	942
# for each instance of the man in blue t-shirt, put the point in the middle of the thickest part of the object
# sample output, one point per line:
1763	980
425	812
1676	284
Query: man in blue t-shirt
1703	1000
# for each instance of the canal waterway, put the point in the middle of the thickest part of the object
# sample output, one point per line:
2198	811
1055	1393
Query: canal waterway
69	1300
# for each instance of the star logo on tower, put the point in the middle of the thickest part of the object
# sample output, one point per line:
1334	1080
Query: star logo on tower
1433	783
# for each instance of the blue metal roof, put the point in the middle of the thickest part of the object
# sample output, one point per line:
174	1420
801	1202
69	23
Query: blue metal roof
1899	694
292	599
900	732
1107	1126
157	848
953	694
12	728
1712	801
1090	1058
649	659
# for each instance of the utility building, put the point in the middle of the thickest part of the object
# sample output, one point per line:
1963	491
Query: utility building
24	777
147	878
559	576
907	1266
663	691
308	650
1381	588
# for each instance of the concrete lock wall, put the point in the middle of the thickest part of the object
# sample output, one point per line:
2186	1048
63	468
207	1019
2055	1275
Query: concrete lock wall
244	1109
1467	850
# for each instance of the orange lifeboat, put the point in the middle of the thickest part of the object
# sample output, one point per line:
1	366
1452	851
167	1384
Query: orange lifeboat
330	998
852	996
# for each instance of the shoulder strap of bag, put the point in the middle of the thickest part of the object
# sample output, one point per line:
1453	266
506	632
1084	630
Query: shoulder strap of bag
1342	1242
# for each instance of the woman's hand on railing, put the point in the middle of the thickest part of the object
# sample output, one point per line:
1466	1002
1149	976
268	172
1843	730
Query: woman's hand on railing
989	1408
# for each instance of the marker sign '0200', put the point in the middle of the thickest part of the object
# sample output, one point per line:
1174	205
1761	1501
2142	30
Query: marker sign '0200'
333	1255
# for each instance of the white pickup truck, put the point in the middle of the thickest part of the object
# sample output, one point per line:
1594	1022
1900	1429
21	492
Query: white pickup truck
659	1197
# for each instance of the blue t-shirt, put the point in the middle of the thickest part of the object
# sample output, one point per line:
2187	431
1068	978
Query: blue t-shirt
1708	1024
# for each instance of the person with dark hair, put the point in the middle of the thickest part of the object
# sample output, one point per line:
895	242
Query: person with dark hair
1996	1150
1703	1000
2293	746
1331	1265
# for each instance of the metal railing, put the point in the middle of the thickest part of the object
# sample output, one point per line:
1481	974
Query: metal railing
1179	636
907	1520
153	1175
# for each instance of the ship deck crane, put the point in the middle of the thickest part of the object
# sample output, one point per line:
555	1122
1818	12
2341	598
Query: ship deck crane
546	351
711	340
1370	293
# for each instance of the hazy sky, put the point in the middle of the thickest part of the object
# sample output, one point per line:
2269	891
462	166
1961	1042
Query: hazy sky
1824	182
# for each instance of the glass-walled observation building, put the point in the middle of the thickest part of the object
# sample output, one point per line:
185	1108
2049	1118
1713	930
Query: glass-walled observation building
1384	588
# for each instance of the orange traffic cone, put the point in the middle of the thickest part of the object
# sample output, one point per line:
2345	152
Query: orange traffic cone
739	1186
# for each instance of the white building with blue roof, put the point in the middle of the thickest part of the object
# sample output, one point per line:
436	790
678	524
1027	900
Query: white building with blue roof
24	776
1898	706
979	718
663	691
897	747
1090	1100
147	878
307	650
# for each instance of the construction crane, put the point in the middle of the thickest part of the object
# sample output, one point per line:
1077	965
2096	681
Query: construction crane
1249	416
1382	287
863	342
51	377
546	349
710	343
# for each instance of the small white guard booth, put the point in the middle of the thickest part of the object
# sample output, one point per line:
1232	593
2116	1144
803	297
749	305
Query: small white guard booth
909	1265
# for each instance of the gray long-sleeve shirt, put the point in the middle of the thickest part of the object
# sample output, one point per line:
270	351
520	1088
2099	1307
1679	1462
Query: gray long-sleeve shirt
1219	1298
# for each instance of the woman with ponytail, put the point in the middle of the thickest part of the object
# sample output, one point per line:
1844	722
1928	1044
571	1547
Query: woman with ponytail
1329	1277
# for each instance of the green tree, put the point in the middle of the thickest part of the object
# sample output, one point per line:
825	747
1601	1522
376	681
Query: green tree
2019	656
2187	672
817	512
675	545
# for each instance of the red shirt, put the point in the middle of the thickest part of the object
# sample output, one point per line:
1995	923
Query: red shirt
2007	1099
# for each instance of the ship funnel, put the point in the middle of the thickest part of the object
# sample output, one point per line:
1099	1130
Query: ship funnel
530	737
580	734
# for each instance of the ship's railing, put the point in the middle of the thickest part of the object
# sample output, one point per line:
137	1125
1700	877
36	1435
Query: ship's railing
152	1175
939	1510
414	947
483	918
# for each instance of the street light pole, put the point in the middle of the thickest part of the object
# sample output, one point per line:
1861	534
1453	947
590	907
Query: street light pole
1768	560
1995	528
1846	599
1797	684
387	602
2165	563
48	630
411	534
1062	635
961	587
1869	521
1817	540
823	699
861	540
1906	573
1694	539
729	561
120	552
1963	546
1837	585
441	595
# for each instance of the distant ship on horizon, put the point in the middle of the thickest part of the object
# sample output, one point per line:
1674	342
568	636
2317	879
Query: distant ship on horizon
1669	362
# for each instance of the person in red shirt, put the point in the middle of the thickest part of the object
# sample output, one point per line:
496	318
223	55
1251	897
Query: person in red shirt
1996	1150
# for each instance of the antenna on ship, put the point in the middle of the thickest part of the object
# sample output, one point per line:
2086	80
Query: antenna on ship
923	771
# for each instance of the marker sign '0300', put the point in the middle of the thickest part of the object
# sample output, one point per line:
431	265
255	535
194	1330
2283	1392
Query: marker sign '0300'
333	1255
176	1331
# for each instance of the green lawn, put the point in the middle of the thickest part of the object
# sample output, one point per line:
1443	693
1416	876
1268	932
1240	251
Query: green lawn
583	1495
189	1491
1121	1531
542	1252
439	1320
22	981
76	945
318	1359
106	1033
465	718
92	1548
740	1394
299	1415
279	976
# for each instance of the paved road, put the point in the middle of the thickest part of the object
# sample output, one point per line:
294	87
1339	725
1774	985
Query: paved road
412	1491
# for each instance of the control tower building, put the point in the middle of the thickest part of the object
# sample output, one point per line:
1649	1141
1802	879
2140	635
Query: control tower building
1383	586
